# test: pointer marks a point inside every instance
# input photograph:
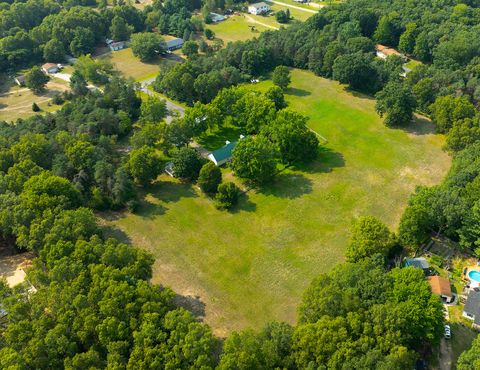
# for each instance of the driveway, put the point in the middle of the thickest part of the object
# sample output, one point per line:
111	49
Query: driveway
298	7
171	106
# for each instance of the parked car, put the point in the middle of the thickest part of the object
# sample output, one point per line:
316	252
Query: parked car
448	332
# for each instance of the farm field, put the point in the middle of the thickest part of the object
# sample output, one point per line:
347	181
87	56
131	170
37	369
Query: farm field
251	265
131	66
17	101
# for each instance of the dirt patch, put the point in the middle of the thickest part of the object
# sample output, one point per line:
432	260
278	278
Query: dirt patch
12	268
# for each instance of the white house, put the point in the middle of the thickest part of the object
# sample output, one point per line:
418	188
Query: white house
115	46
258	8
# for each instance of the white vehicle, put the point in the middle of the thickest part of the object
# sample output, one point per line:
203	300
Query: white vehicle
448	332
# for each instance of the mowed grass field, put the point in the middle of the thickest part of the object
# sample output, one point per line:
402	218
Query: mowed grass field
236	28
251	265
16	102
130	66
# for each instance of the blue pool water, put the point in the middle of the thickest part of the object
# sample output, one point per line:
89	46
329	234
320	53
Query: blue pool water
474	275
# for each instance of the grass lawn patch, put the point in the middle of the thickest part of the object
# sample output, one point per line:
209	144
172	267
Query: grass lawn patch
131	66
251	265
17	101
236	28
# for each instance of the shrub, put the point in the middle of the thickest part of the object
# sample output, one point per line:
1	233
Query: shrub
209	178
227	195
35	107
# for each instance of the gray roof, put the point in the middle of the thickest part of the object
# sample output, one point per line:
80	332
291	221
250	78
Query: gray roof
175	43
419	262
472	306
259	5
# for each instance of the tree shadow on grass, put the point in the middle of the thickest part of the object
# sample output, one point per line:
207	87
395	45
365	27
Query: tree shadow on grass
420	126
288	185
170	191
191	303
215	139
244	204
110	231
297	92
359	94
326	161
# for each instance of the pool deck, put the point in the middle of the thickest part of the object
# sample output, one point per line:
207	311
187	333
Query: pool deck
473	283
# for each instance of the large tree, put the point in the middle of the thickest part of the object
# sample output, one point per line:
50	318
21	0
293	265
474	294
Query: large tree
369	236
147	46
144	165
209	178
397	103
186	164
281	77
36	80
255	160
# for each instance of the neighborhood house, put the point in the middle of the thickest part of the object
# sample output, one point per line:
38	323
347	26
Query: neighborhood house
224	154
217	17
472	308
258	8
115	46
50	68
174	44
384	52
20	80
441	286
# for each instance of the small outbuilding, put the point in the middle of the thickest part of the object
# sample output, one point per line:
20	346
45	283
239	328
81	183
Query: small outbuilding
169	169
116	46
419	262
174	44
50	68
441	286
217	17
472	308
20	80
258	8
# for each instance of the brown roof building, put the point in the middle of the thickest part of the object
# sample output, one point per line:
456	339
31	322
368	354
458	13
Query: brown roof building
441	286
385	51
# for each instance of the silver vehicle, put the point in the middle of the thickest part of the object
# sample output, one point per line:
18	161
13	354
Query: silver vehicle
448	332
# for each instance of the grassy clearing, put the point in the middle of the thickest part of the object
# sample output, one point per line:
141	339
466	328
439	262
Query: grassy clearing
17	101
236	28
251	265
131	66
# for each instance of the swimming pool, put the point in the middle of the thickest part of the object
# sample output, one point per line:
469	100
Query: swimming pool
474	275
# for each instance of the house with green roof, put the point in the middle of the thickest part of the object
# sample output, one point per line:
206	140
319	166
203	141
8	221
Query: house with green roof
223	154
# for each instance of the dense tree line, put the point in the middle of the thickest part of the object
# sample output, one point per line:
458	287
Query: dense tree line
45	30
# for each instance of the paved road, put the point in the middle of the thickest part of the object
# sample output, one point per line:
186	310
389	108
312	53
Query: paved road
171	106
297	7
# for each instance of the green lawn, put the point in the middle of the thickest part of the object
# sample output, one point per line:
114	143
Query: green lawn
236	28
131	66
251	265
16	102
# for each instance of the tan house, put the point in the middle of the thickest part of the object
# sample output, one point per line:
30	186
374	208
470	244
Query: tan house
384	52
50	68
441	286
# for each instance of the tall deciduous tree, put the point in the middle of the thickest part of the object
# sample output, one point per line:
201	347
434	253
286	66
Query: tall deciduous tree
144	165
36	80
281	77
254	160
147	46
397	103
369	236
